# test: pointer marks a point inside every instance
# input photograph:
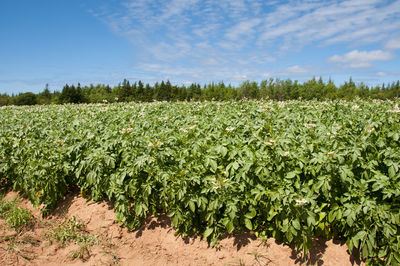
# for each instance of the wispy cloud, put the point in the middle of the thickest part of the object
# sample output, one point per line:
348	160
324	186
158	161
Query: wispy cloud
329	22
197	37
360	59
393	44
294	70
381	74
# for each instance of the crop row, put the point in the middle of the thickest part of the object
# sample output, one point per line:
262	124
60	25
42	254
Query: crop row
289	170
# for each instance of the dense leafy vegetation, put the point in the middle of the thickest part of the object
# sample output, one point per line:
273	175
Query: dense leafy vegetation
267	89
292	170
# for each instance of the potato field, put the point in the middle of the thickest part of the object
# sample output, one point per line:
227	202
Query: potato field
291	170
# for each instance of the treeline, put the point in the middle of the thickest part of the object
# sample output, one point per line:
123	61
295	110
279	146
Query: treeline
275	89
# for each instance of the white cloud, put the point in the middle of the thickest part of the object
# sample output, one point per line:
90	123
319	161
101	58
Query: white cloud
236	38
361	59
294	70
210	62
243	28
329	22
393	44
381	74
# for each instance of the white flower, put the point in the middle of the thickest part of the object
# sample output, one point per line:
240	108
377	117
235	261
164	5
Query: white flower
370	129
125	130
309	125
269	142
355	107
159	143
229	129
396	109
286	153
301	202
156	143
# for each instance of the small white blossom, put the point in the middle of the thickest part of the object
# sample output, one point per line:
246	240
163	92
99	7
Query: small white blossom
229	129
396	109
156	143
159	143
59	142
301	202
355	107
370	129
125	130
269	142
311	125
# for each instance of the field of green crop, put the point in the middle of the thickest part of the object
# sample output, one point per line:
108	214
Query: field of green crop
289	170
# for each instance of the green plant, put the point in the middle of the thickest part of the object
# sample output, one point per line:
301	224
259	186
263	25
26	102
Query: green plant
82	253
16	217
290	170
260	258
72	230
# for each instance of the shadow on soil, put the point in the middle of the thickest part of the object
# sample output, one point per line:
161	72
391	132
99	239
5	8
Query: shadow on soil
240	239
315	255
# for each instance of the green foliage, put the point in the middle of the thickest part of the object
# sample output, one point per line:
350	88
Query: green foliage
16	217
290	170
27	98
274	89
70	94
72	230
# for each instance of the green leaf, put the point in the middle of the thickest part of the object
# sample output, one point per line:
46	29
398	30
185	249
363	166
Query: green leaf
310	220
296	224
396	137
230	227
285	225
332	216
248	224
382	252
192	206
358	237
175	220
251	213
391	171
224	151
208	232
289	236
213	165
397	256
291	175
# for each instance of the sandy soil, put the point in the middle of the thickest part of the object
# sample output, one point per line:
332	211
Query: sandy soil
153	244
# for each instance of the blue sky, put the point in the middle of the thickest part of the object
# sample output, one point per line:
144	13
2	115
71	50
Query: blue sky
98	41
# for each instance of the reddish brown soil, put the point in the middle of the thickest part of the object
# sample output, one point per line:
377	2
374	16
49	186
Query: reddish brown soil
153	244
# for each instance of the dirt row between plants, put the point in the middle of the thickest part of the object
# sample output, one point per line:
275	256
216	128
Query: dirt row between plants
153	244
